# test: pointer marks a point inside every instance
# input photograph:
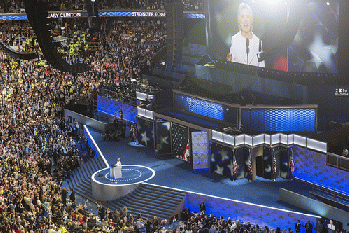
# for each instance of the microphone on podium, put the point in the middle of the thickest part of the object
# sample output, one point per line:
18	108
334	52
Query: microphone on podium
261	54
247	49
247	45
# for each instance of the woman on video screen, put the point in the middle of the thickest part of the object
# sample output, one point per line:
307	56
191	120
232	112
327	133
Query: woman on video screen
245	46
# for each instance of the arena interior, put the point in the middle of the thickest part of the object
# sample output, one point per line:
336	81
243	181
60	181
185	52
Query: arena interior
174	116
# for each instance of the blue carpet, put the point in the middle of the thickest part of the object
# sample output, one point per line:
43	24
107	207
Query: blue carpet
175	173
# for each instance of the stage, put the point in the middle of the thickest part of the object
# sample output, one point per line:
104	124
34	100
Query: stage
251	199
175	173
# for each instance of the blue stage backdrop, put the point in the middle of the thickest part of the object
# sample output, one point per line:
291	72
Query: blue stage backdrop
268	163
278	119
284	154
163	137
206	108
222	160
145	132
113	107
242	155
311	166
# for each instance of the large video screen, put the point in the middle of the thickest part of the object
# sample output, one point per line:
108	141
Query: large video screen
287	35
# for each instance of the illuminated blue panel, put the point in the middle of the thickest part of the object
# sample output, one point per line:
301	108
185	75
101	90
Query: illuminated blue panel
113	107
115	14
133	14
146	14
195	16
206	108
13	17
278	119
199	106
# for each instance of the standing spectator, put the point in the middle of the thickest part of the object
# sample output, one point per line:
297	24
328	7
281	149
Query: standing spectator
121	114
202	207
213	229
331	227
320	228
101	212
297	226
72	198
308	227
64	194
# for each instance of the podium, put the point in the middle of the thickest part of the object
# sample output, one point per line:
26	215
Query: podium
115	171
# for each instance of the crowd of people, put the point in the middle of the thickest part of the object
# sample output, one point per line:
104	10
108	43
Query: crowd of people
37	146
15	6
201	222
124	50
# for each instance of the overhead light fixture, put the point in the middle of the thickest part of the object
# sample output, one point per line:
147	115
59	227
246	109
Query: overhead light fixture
273	2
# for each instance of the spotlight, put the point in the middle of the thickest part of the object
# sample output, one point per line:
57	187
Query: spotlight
328	3
273	2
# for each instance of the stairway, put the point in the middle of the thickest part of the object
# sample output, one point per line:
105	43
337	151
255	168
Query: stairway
80	178
150	200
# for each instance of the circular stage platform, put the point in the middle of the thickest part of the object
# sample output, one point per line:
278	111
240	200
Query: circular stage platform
104	188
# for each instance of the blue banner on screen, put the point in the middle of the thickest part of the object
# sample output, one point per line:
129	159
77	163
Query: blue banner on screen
13	17
147	14
278	119
195	16
133	14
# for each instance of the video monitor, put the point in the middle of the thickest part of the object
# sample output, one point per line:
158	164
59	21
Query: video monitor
286	35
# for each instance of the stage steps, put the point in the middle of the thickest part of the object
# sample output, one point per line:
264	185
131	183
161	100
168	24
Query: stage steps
80	178
150	200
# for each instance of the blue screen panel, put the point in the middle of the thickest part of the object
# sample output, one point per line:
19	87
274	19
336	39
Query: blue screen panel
279	119
195	16
13	17
199	106
206	108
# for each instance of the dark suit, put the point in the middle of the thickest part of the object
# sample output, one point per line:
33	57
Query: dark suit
320	228
297	227
308	227
202	207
